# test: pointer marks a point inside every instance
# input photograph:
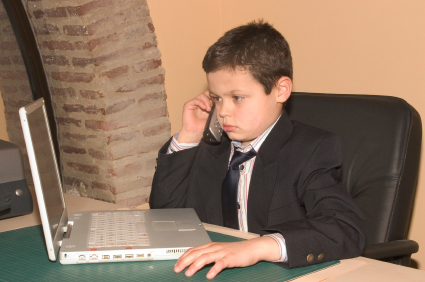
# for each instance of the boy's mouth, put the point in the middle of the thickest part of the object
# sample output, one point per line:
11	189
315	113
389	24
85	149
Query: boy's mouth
228	127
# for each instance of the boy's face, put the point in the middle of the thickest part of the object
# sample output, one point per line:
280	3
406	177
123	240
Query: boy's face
244	110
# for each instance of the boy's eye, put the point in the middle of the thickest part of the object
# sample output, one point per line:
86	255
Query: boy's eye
238	98
215	98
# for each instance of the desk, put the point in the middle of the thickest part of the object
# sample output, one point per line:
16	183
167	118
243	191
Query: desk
357	269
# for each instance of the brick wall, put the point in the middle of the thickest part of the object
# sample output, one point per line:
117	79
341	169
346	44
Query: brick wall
107	85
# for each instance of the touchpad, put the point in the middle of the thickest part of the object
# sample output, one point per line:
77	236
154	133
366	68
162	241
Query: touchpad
164	225
185	225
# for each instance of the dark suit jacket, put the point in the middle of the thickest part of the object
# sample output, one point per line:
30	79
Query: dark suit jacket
295	190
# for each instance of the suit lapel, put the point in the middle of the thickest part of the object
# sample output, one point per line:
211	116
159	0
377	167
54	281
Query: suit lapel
213	169
264	174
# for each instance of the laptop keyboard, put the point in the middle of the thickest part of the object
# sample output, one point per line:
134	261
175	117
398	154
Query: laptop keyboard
118	229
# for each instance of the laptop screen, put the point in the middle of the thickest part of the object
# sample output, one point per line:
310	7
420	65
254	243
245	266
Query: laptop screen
47	167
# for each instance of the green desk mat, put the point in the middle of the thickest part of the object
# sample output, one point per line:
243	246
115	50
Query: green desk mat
23	257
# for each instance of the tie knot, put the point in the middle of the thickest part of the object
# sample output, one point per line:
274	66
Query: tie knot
239	158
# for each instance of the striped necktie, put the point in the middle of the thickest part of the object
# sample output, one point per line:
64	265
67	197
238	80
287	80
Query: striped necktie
229	191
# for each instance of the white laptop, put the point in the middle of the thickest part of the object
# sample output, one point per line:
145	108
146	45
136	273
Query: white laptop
99	236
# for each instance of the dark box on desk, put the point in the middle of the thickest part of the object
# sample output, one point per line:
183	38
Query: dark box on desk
15	197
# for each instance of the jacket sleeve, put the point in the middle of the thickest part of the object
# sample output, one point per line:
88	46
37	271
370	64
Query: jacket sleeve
334	225
170	181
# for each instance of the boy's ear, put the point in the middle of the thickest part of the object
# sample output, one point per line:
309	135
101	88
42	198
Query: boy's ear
284	89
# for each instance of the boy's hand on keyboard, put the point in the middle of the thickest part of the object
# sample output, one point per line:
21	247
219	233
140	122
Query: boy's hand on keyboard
228	255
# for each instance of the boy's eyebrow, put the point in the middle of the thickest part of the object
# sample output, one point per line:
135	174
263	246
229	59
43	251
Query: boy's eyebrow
233	92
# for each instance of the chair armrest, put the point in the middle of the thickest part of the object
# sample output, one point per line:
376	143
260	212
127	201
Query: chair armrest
391	249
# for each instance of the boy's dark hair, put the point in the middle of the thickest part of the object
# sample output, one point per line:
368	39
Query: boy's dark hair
256	47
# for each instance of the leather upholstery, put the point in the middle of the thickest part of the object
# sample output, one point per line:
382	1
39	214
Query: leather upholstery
381	139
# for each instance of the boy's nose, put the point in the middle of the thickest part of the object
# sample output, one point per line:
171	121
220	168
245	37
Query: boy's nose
224	110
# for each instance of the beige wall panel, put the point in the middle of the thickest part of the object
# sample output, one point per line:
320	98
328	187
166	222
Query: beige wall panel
185	30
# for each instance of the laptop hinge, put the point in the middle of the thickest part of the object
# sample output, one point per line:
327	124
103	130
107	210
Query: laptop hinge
68	231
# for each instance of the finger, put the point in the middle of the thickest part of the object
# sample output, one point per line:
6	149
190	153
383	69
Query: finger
206	97
194	249
217	268
192	256
203	260
199	103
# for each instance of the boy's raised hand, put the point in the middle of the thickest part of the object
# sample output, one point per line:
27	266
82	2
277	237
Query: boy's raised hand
195	115
228	255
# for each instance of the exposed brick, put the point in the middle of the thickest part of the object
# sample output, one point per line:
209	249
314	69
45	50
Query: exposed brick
147	65
122	137
97	154
116	72
4	61
16	103
82	62
73	77
136	150
47	29
55	60
94	5
26	90
124	122
77	136
9	45
73	150
91	169
8	89
154	130
17	59
61	12
153	96
91	110
91	94
80	45
95	124
65	121
140	31
119	106
65	92
8	30
72	108
151	163
57	45
38	14
101	41
77	30
141	83
72	181
148	45
3	15
126	170
13	75
73	11
12	116
119	19
103	186
151	27
76	108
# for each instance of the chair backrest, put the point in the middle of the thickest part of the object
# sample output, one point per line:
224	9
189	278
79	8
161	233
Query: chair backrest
381	140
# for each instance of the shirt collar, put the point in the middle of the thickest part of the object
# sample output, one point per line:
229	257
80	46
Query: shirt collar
254	144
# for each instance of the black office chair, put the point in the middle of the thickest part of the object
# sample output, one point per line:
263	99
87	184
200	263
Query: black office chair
381	138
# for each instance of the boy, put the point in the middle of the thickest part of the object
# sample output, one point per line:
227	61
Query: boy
285	187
